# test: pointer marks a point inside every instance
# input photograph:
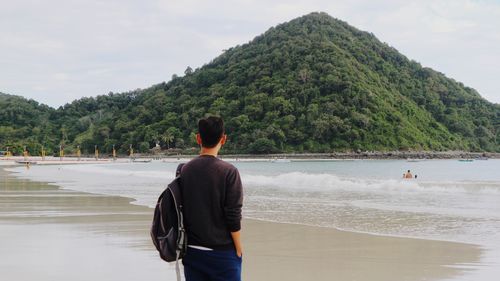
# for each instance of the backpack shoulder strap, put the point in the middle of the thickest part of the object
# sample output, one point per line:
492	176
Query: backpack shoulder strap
179	169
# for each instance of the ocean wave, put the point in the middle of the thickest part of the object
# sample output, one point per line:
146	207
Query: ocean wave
329	182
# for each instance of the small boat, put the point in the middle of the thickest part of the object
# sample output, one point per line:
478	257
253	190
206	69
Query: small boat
412	160
142	160
466	160
26	162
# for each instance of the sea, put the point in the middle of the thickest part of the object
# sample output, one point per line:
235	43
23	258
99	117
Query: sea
450	200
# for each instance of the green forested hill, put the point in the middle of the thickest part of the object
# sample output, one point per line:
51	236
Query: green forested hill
314	84
25	123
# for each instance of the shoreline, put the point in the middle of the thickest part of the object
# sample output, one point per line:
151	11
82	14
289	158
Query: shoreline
273	251
377	155
412	156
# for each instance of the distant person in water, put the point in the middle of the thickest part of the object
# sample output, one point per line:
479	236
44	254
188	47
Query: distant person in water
415	176
408	175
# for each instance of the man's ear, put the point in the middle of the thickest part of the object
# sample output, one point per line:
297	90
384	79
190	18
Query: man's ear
198	139
223	139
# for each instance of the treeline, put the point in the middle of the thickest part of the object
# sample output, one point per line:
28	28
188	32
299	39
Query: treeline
314	84
26	123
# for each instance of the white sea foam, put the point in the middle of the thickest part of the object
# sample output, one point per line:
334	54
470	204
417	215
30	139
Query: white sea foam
329	182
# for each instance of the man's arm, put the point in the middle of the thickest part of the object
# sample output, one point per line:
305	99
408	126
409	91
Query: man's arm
237	242
232	208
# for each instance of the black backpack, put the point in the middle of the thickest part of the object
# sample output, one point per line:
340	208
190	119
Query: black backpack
167	230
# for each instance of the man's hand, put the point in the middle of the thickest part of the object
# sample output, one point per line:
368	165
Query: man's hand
237	242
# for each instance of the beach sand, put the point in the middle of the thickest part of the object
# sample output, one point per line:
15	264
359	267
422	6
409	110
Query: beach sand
298	252
47	233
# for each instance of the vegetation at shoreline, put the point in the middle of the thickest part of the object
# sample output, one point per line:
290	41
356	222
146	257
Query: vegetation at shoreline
314	84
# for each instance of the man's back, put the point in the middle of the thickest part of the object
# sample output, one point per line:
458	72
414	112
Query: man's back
212	200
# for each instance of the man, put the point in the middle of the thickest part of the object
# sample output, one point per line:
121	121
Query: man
212	202
408	175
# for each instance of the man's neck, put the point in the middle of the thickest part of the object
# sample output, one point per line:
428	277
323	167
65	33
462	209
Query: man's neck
210	151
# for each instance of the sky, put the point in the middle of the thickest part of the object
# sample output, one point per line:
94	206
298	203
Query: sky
56	51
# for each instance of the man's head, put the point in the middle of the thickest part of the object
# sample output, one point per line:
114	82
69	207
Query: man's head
211	131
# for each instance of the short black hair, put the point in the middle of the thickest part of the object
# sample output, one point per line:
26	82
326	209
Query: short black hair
211	130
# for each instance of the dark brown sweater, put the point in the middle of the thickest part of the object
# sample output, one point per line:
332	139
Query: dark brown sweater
212	200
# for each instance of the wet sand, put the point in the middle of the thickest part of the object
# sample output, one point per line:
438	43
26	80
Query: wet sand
312	253
47	233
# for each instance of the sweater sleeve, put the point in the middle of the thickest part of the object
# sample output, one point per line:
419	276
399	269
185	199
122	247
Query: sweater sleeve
233	201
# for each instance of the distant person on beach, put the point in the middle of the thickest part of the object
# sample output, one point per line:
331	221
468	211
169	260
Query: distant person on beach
408	175
212	200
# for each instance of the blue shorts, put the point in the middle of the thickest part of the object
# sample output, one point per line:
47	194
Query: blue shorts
200	265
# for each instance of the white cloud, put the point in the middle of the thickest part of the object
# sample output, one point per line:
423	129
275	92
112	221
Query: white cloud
58	50
61	76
